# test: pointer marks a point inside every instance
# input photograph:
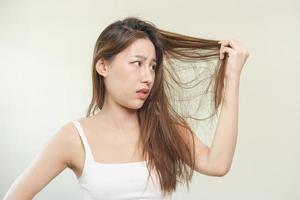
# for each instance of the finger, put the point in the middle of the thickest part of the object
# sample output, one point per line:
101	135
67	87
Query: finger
228	43
231	43
229	51
223	49
223	43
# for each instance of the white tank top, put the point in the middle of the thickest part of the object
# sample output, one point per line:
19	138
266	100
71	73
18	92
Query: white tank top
116	181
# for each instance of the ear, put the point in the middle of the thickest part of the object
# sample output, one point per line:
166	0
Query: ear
102	67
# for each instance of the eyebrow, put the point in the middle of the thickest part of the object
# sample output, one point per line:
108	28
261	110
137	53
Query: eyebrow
143	57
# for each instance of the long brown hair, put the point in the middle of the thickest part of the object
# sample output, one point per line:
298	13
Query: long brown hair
162	125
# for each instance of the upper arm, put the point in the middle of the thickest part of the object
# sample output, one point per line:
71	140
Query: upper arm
201	150
49	162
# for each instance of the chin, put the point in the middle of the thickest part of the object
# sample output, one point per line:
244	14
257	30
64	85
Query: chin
138	106
135	106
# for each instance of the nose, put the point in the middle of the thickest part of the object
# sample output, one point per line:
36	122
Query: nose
147	75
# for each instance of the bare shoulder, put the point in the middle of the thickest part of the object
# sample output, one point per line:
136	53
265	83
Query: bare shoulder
70	141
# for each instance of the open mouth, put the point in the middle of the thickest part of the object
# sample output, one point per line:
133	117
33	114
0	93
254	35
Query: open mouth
142	95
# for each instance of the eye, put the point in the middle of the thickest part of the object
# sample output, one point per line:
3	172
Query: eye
154	67
137	62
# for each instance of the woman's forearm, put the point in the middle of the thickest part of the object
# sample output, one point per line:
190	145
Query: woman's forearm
224	142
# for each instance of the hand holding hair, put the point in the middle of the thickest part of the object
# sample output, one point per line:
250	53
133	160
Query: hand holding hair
235	55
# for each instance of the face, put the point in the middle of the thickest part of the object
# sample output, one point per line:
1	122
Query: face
131	70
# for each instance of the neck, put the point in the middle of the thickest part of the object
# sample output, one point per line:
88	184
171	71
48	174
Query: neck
118	117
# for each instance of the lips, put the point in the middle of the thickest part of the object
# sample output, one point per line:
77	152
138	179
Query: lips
143	90
143	93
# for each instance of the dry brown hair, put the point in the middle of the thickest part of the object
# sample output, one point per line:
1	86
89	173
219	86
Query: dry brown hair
162	127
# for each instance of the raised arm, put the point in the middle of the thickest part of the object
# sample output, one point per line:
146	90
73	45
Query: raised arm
217	159
50	162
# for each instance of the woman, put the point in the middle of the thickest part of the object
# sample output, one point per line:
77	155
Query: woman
137	132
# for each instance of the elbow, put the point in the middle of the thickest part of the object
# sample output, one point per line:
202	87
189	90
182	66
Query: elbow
222	171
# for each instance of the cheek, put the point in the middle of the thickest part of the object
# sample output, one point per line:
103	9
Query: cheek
126	75
125	79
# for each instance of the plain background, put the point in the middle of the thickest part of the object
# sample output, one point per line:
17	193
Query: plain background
45	58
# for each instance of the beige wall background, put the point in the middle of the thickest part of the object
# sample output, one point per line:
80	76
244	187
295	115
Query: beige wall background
45	58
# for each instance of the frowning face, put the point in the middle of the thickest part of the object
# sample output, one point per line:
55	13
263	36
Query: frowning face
131	70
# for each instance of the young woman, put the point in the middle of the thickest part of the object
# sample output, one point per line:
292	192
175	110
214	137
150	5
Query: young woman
136	133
